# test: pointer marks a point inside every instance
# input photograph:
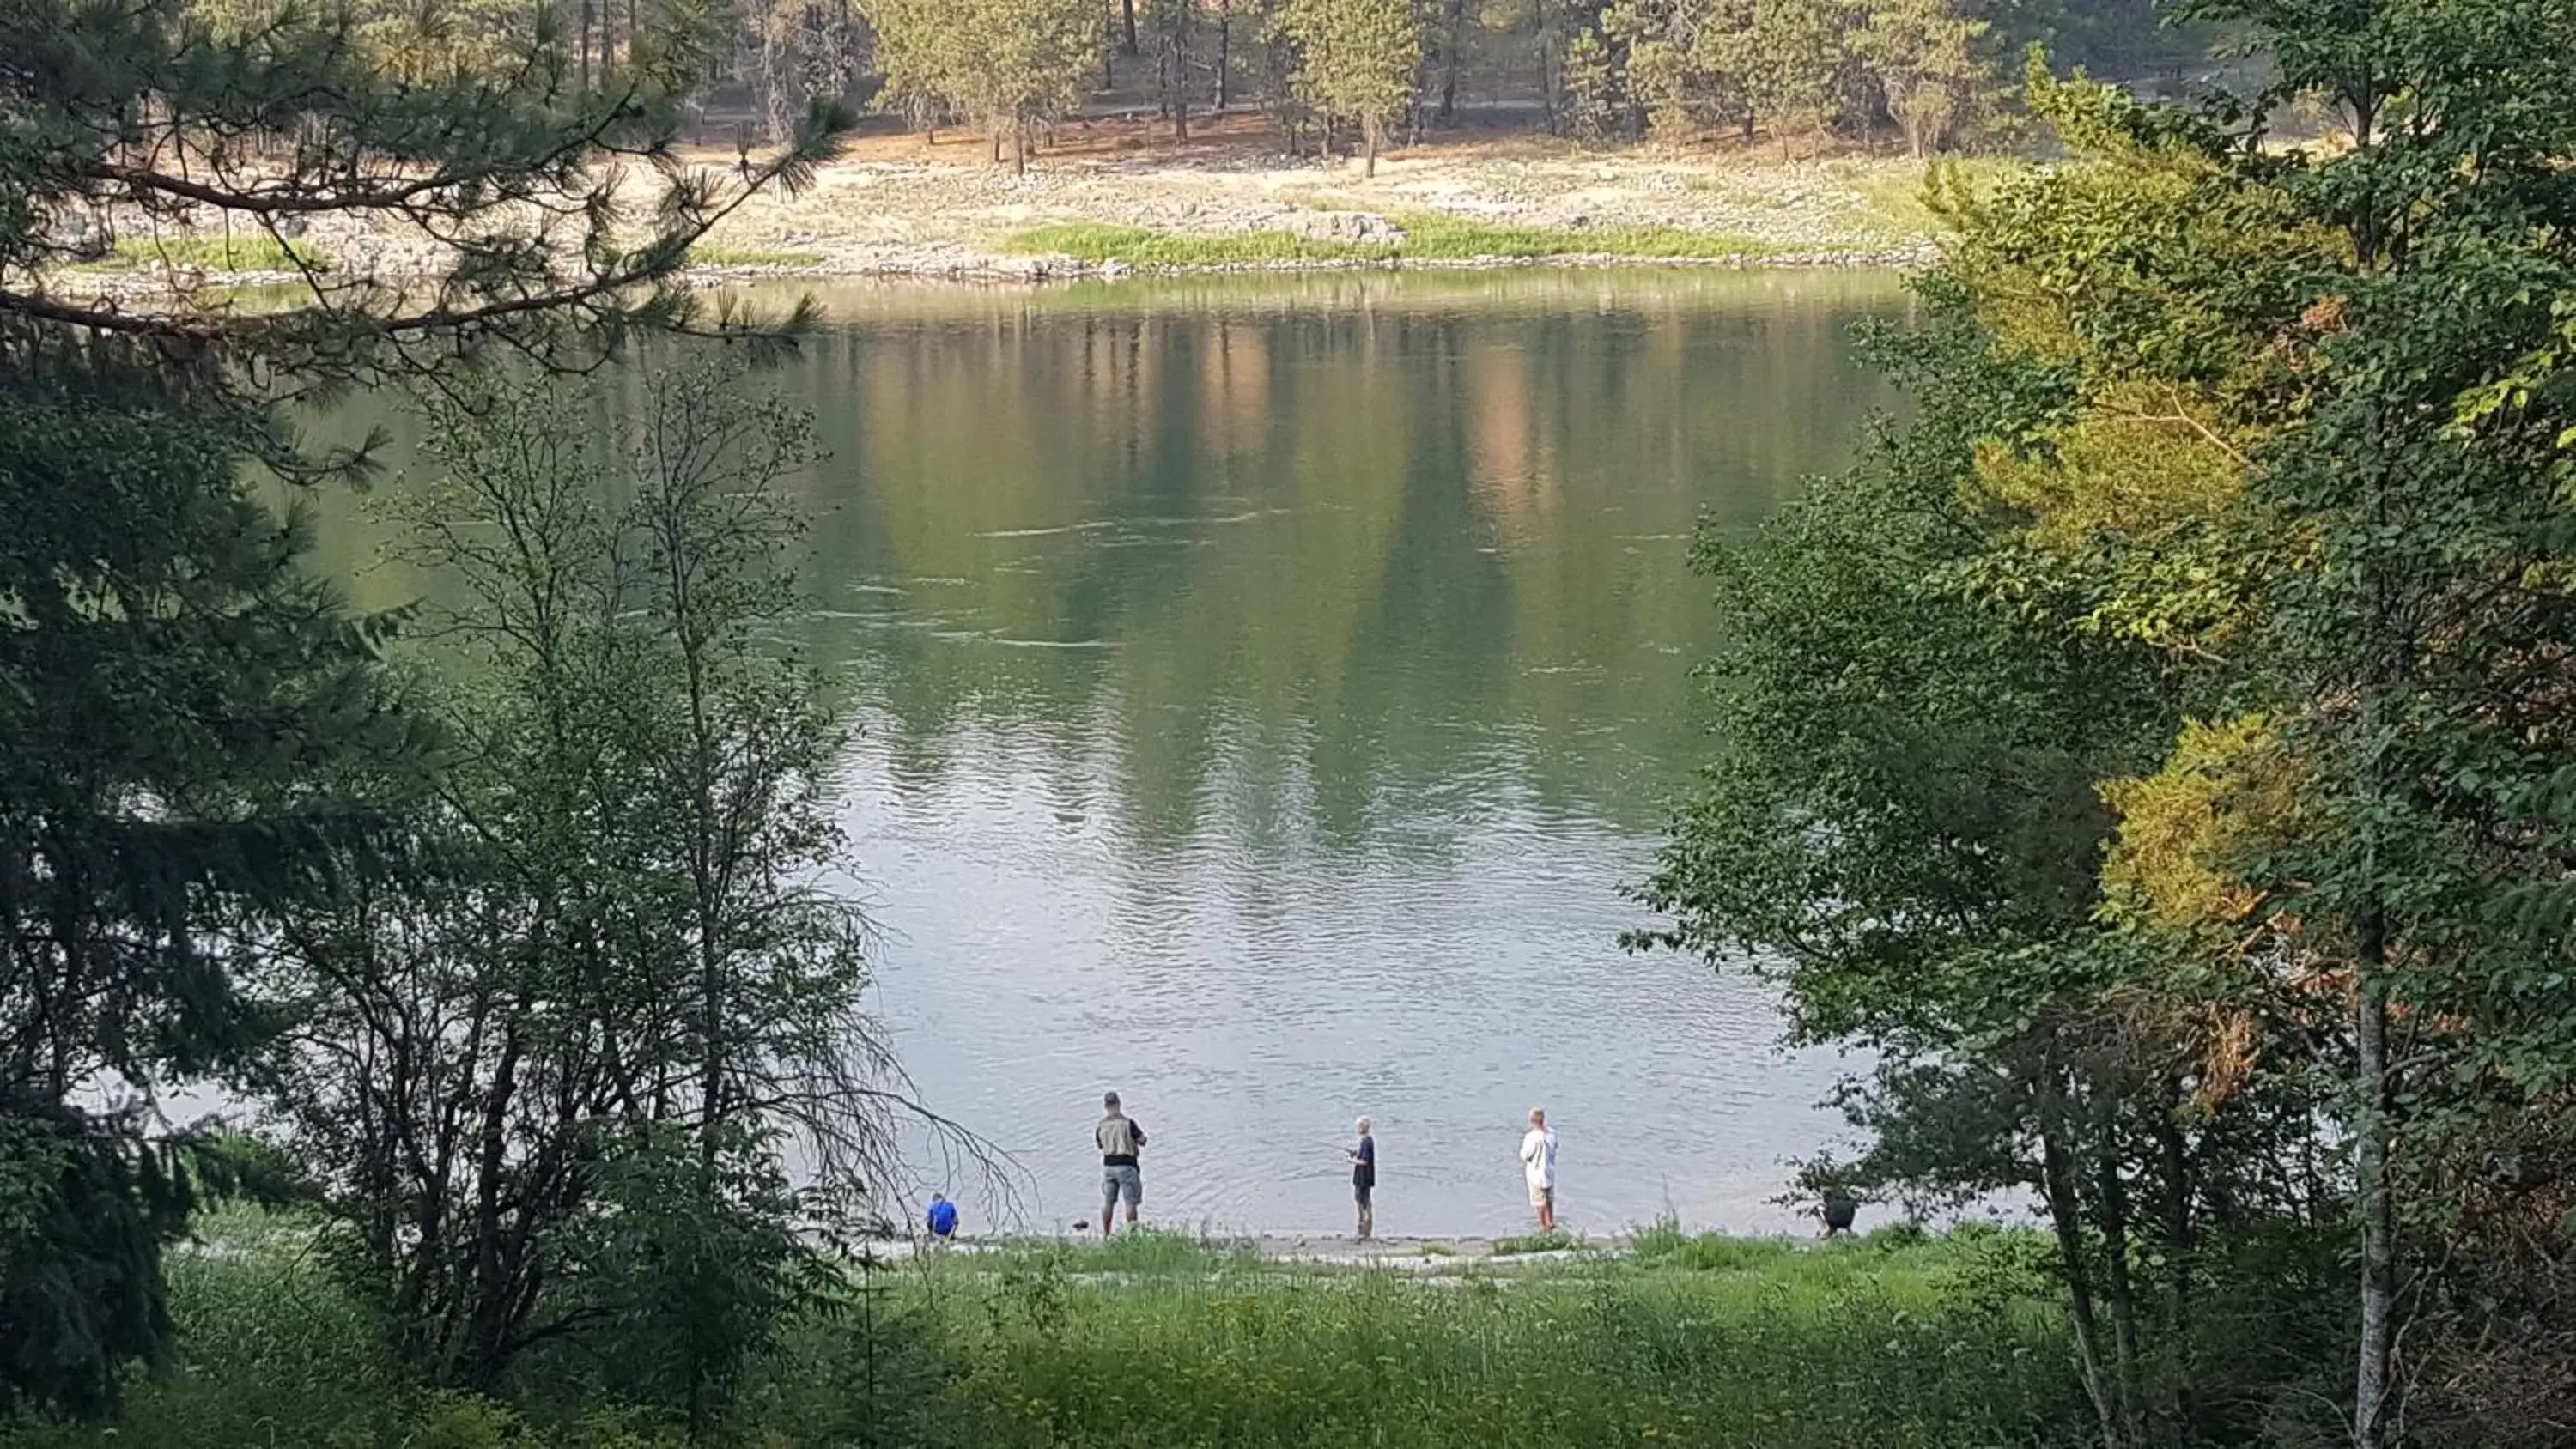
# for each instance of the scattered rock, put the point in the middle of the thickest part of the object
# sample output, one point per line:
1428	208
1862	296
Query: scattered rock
1348	226
84	236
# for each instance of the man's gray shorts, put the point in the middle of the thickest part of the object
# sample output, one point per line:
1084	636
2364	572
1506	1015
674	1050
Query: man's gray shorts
1126	1182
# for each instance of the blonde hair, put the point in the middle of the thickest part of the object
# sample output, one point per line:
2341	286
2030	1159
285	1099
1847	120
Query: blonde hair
1364	1126
1538	1114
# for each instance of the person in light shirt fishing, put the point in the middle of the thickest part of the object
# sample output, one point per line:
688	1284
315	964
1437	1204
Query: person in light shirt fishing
1538	1165
1121	1142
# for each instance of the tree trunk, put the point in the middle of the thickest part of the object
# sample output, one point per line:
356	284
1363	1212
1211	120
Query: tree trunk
1020	149
1454	15
488	1311
2370	1130
1370	131
1548	68
2057	1180
2179	1250
2373	1105
1128	7
2116	1281
581	43
1224	54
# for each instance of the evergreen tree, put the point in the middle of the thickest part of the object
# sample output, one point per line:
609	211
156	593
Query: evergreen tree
1174	25
1013	65
1788	58
1923	54
1357	58
191	734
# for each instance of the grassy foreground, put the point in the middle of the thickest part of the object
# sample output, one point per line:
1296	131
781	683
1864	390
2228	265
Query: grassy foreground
1890	1342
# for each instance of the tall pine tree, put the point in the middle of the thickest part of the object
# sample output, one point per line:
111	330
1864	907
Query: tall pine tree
189	728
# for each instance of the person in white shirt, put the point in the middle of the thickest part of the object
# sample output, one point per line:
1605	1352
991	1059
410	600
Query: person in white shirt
1538	1164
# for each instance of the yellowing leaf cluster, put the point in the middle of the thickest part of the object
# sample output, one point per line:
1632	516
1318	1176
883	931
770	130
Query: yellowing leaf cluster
2185	833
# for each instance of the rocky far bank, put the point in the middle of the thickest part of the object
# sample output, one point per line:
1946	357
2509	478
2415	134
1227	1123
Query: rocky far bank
896	206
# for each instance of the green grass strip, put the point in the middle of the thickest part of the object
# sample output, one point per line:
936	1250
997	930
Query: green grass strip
1429	236
703	255
210	253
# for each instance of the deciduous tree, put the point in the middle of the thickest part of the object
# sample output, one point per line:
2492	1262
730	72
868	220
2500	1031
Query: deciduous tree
2222	559
628	945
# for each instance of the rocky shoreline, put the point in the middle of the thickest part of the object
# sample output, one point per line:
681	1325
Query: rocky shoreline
143	286
898	210
1061	268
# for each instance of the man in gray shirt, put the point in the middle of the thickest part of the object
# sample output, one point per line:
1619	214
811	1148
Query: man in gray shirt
1120	1141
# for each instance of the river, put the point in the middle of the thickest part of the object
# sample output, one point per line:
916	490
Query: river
1269	686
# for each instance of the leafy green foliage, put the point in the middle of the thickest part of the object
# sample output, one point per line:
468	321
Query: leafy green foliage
2142	753
623	957
80	1286
695	1273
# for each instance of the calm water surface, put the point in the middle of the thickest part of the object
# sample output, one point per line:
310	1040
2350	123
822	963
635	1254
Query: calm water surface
1268	689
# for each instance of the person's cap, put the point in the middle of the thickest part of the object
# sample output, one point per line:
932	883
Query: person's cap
1109	1099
